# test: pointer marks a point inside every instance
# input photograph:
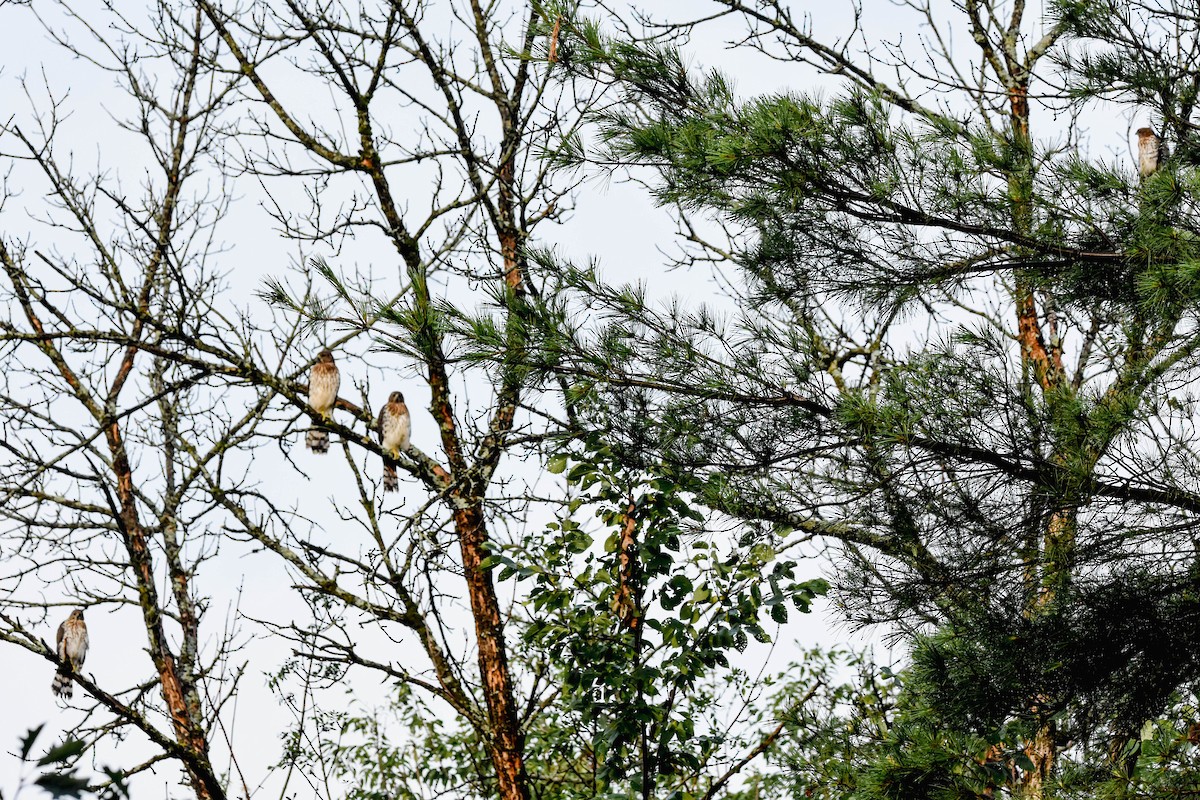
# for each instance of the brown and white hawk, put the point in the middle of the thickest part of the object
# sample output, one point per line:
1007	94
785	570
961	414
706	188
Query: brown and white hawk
393	427
323	382
1151	152
72	641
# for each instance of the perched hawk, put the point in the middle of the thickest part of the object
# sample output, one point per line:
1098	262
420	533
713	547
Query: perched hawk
1151	152
72	649
323	382
393	429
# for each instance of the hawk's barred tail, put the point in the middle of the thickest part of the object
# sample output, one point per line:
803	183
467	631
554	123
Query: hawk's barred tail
317	440
390	480
62	684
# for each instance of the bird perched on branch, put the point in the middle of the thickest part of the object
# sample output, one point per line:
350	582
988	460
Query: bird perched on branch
1152	152
72	641
393	427
323	382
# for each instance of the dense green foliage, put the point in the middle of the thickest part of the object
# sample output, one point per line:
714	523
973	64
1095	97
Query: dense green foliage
955	343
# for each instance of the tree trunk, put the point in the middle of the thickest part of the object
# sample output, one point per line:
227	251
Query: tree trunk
1041	750
507	745
189	729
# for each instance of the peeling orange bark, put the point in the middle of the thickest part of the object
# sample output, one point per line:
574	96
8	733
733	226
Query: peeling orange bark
627	603
189	729
507	745
1047	363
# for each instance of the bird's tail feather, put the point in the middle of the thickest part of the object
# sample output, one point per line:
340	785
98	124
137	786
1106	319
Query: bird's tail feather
62	686
317	440
391	482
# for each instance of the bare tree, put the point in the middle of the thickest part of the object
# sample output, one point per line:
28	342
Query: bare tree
105	445
461	129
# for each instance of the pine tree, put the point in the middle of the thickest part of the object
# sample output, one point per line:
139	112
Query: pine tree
962	348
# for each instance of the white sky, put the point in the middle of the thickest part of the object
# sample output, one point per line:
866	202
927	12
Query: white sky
257	583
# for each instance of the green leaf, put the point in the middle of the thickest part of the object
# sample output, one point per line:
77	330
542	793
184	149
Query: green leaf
557	464
818	586
762	553
115	790
28	740
62	753
62	784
